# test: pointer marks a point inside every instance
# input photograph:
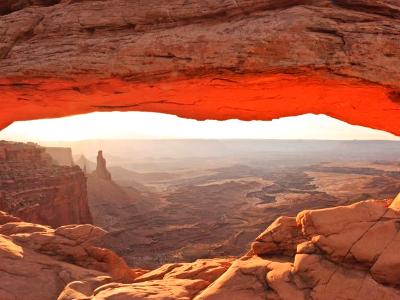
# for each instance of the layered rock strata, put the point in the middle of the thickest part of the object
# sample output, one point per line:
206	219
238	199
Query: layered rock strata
33	188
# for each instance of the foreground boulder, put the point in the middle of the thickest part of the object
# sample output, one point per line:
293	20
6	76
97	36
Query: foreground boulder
169	282
343	253
37	262
347	252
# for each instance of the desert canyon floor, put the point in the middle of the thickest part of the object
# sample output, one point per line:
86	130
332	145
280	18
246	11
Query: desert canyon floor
193	214
309	256
200	228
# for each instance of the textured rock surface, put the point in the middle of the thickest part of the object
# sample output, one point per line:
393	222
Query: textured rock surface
37	262
169	282
202	59
346	252
33	188
101	168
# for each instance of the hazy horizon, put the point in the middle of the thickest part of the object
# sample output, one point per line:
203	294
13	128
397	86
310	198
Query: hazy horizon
210	139
156	126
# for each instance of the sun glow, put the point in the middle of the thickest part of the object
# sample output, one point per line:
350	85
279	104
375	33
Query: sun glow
144	125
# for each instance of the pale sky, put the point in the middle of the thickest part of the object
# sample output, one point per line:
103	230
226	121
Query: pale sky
144	125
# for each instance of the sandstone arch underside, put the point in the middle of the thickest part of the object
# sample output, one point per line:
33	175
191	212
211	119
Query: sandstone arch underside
202	59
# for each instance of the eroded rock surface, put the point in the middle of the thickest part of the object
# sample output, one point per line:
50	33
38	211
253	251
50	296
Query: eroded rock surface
202	59
169	282
37	190
346	252
37	261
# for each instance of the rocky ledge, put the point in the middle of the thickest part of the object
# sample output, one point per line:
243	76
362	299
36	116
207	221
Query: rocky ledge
346	252
37	261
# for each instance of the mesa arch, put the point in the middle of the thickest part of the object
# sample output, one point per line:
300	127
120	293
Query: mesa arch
246	59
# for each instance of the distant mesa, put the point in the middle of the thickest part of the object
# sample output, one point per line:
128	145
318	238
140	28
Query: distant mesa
85	164
13	151
101	168
61	155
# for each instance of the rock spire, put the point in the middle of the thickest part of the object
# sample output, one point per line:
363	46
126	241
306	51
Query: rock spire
101	168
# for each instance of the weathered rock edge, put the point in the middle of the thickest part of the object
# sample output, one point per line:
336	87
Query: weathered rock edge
37	261
345	252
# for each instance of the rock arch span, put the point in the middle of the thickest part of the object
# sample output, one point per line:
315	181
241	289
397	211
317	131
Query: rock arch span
259	59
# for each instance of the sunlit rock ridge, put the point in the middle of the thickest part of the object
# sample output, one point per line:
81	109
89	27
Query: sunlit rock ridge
347	252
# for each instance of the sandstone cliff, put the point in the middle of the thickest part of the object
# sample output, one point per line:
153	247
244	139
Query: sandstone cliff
348	252
33	188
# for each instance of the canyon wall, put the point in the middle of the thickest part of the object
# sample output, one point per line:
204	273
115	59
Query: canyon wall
202	59
32	187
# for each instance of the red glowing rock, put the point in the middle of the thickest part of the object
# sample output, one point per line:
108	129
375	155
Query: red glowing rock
202	59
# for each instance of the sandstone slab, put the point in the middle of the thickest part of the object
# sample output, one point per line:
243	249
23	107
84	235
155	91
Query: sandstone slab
202	59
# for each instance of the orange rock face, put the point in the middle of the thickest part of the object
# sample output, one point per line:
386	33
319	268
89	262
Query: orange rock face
170	282
202	59
33	188
346	252
53	258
